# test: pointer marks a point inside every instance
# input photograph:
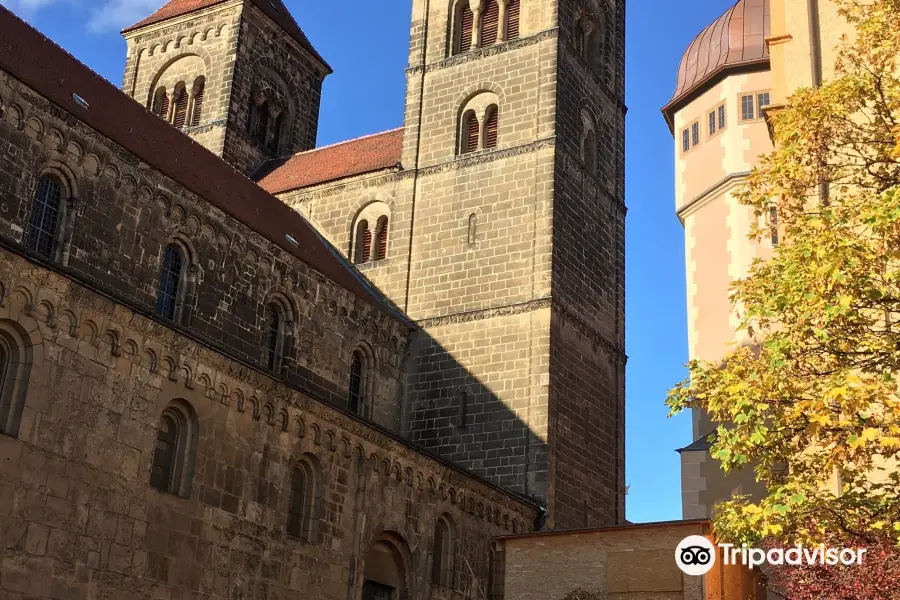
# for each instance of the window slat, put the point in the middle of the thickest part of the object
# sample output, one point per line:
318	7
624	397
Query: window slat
467	26
491	129
513	11
490	24
472	133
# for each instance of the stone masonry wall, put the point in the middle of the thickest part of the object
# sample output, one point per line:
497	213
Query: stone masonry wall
78	519
207	37
120	217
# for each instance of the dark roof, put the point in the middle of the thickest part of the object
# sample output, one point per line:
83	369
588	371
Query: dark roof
702	444
736	39
345	159
39	63
274	9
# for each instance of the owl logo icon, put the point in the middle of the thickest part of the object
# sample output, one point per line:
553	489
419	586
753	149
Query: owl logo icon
695	555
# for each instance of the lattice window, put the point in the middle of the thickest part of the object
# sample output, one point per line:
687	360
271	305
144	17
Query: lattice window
357	374
169	282
43	225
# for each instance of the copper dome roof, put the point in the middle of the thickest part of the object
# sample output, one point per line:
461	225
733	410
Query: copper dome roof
737	38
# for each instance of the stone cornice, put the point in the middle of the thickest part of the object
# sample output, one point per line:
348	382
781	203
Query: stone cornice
480	53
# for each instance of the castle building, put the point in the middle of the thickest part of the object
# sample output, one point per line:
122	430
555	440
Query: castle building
235	366
733	75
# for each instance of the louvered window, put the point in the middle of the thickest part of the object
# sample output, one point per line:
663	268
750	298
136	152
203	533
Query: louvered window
490	24
381	234
44	221
466	26
199	87
513	11
490	128
363	243
181	107
161	103
471	130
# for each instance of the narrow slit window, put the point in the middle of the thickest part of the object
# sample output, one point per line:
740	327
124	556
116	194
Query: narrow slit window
163	468
473	228
695	134
298	504
355	398
273	332
463	416
721	113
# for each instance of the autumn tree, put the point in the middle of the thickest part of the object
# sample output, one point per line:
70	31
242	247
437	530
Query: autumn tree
875	579
812	404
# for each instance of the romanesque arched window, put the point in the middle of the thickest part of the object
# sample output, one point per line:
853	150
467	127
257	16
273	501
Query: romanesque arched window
274	337
357	388
490	23
464	27
42	235
171	276
180	111
197	108
479	123
442	553
161	103
175	450
381	238
15	369
303	500
370	233
491	127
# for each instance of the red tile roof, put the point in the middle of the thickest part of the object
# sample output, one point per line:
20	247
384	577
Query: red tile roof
274	9
45	67
345	159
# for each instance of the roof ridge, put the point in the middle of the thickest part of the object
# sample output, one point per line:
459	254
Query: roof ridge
350	141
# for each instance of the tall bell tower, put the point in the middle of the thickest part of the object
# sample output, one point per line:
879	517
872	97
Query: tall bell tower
514	130
238	76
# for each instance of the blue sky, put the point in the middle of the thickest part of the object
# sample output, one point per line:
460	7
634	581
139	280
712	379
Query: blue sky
658	31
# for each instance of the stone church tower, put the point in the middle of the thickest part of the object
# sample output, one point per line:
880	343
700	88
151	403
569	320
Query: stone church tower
515	136
494	218
239	77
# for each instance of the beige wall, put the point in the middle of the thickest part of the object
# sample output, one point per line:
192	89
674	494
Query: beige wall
632	562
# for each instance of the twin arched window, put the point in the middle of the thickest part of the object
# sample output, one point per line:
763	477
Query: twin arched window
184	108
46	214
483	23
370	234
442	553
176	447
267	118
479	127
15	368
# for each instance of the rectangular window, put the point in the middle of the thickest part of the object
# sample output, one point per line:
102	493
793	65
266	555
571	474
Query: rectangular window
685	140
695	133
712	123
721	111
747	111
762	101
773	223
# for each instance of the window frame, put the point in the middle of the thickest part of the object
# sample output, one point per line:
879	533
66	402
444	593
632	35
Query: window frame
717	113
16	359
181	475
443	552
356	389
758	114
302	524
180	284
689	129
59	220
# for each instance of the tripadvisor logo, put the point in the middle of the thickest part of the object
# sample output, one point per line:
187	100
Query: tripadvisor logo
696	555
